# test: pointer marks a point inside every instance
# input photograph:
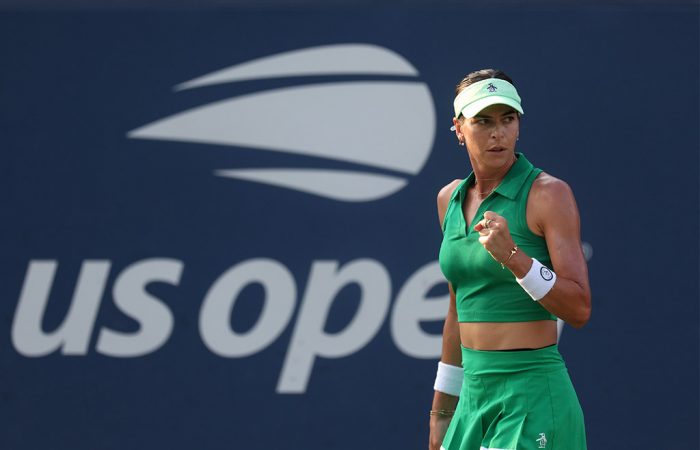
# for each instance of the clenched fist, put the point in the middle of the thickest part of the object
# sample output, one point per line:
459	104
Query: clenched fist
495	236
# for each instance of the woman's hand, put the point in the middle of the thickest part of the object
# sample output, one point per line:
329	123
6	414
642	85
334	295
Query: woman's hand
438	428
495	236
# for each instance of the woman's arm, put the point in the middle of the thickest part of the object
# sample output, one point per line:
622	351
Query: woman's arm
451	352
556	217
452	355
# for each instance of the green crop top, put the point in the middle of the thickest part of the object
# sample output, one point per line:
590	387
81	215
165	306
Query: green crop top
485	292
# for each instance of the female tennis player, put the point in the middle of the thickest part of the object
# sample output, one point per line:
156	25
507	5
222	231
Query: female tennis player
512	254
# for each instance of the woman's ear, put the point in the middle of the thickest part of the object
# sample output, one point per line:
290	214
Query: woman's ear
456	126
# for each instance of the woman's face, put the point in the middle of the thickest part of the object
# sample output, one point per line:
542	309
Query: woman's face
490	136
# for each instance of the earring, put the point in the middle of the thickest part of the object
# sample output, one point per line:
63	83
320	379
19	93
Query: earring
461	142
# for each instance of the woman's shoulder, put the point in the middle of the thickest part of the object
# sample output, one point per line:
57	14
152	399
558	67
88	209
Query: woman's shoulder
443	198
547	187
446	192
550	198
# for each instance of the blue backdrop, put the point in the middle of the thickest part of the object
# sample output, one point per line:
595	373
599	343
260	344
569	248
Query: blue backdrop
150	300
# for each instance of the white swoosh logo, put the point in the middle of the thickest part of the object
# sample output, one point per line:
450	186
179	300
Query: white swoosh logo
341	121
351	121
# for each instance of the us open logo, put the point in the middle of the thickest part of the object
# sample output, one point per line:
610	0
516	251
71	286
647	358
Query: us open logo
350	121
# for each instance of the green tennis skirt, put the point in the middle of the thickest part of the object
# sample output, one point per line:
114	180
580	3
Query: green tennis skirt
516	400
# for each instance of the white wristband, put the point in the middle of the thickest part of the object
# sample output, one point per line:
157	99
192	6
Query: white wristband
538	281
449	379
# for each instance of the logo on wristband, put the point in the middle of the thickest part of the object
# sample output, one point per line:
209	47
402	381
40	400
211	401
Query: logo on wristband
546	273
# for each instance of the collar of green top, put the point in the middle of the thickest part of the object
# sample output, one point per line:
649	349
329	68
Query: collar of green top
514	179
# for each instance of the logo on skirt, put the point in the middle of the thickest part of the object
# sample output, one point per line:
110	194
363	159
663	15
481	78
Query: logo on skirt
542	440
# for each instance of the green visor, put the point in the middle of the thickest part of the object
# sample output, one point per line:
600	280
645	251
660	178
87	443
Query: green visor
485	93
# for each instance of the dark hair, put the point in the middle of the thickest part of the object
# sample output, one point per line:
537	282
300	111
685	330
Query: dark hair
479	75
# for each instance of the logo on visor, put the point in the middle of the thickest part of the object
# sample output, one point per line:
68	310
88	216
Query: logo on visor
340	122
491	87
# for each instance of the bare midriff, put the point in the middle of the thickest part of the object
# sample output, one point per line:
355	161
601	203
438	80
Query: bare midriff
508	335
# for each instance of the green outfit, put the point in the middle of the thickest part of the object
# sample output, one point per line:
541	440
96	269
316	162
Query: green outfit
519	400
485	292
510	400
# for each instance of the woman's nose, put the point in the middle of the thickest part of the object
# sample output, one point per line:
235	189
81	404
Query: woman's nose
497	131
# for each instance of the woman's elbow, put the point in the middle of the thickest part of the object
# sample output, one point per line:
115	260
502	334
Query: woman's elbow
583	314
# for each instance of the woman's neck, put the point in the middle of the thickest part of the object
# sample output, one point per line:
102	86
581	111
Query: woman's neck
486	180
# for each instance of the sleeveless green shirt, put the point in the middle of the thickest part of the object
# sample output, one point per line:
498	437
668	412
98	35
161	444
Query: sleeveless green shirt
485	292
